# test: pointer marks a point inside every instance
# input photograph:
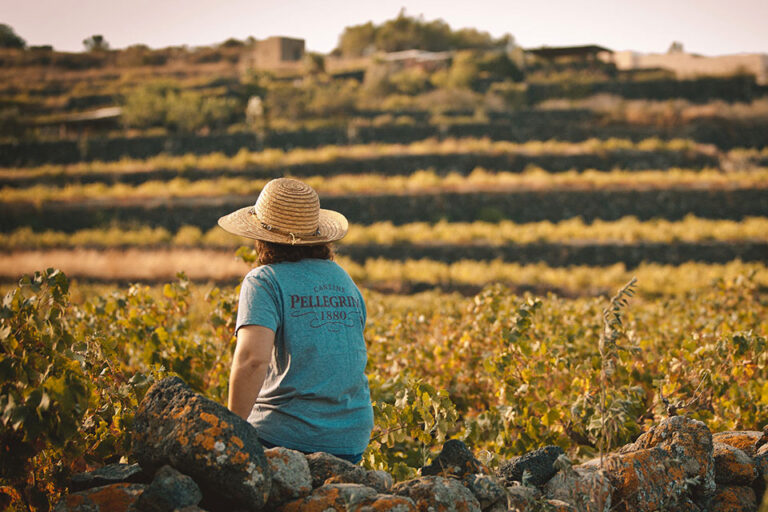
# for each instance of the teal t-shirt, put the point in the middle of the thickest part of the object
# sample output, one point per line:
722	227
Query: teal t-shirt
315	396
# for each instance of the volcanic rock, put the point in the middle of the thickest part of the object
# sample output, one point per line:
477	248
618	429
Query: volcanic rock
646	481
291	479
486	488
328	469
587	489
217	448
690	443
455	459
734	498
168	491
521	498
120	497
384	503
733	466
330	497
110	474
438	493
539	463
745	440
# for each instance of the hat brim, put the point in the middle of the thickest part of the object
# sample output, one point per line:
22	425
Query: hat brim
332	226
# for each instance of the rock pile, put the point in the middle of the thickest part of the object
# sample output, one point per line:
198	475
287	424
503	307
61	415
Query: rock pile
195	455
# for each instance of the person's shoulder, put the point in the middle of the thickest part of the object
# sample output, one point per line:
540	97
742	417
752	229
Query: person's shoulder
334	267
261	273
342	274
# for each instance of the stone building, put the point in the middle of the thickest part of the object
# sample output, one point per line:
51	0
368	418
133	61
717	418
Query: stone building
570	54
687	65
277	52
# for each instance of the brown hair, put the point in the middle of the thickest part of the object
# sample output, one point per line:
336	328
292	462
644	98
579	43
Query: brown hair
269	252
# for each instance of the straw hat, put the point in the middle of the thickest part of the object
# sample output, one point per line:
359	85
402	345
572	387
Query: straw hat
287	212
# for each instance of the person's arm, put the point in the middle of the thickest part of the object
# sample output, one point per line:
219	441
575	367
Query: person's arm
249	367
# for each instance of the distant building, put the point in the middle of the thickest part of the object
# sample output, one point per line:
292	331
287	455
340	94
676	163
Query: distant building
355	67
571	54
688	65
277	52
428	61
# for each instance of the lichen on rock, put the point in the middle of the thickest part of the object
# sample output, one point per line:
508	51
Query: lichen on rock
588	489
339	497
745	440
646	480
169	490
438	493
329	469
121	497
205	440
486	488
733	466
689	442
291	478
384	503
109	474
733	498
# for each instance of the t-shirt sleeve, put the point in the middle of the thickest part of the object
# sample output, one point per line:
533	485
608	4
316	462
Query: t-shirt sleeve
258	304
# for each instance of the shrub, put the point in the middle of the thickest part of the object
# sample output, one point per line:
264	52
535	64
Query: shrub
141	55
145	106
410	81
333	99
407	32
11	123
464	71
204	55
164	104
96	43
80	61
44	385
9	39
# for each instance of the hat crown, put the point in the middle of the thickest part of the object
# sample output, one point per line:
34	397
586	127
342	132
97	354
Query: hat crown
289	206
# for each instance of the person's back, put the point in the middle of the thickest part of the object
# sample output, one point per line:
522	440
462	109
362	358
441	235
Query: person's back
298	371
315	394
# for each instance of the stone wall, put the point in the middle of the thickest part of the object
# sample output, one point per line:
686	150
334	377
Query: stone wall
195	455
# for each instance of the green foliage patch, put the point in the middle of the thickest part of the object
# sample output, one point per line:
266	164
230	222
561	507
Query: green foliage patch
503	372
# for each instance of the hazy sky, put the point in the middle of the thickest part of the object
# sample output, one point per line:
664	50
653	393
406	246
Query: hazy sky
704	26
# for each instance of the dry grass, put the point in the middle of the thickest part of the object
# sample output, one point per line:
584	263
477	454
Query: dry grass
661	112
422	181
278	158
627	229
124	265
203	265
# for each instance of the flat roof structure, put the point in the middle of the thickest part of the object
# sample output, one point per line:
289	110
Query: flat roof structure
554	52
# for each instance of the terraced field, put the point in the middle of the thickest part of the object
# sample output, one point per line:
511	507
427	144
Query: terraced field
435	203
487	238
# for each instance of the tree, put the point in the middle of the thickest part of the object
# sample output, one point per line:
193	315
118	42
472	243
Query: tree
464	71
314	63
498	66
165	104
9	39
96	43
232	43
407	32
358	40
676	47
467	38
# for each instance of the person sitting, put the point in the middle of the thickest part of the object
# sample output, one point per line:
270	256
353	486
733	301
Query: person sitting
298	370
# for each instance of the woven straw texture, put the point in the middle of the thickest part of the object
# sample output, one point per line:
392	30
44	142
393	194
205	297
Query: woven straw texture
287	212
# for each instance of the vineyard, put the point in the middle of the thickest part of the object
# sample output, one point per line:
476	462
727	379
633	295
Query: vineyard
487	243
